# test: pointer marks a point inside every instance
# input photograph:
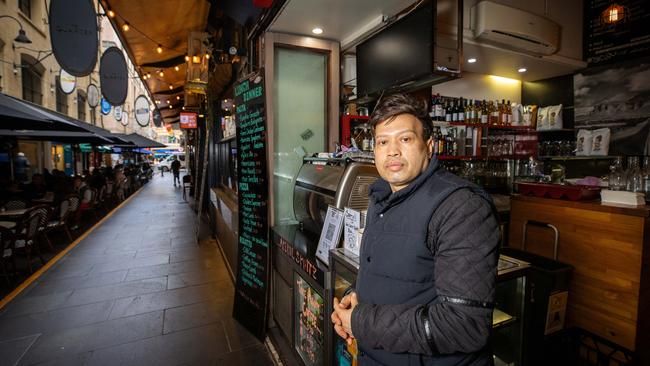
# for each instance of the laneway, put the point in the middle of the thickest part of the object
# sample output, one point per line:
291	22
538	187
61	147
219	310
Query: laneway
137	291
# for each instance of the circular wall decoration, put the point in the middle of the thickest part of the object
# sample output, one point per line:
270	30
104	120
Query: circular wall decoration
114	76
92	95
106	107
157	118
141	110
117	113
73	31
67	82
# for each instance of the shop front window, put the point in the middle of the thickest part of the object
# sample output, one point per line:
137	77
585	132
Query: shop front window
25	7
81	105
61	99
300	109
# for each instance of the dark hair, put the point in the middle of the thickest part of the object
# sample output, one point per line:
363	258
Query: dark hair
398	104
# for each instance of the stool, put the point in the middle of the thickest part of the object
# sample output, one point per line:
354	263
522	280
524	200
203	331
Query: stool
187	184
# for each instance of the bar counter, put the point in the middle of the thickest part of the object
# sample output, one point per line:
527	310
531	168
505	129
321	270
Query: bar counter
608	246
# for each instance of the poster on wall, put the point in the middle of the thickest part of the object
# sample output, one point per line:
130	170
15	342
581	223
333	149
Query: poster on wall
187	120
616	97
309	323
251	285
615	31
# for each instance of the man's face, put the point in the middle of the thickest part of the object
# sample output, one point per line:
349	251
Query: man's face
401	153
77	183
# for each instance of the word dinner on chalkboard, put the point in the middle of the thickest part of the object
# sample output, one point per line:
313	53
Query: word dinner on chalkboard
251	295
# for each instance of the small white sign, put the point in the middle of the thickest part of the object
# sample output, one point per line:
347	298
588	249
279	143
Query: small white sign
117	112
92	95
125	119
67	82
331	233
141	110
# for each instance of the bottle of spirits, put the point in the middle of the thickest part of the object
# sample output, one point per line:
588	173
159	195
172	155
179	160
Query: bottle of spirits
461	110
454	111
485	112
447	112
440	109
508	113
503	113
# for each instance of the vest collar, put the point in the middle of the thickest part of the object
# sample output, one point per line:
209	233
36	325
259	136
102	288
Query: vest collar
382	196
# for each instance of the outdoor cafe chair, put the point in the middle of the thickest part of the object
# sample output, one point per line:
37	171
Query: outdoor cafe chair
7	239
27	234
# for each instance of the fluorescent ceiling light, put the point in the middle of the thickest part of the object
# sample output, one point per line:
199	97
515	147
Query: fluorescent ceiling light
317	30
522	69
471	60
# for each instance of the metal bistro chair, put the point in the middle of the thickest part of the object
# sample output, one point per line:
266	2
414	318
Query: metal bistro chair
187	184
73	206
27	233
15	205
46	214
60	223
7	239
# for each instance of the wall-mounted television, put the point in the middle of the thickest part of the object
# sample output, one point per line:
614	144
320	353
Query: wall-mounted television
400	53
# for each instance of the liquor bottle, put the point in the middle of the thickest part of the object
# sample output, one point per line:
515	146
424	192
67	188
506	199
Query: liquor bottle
454	111
365	144
503	113
447	112
485	112
461	110
434	135
469	112
646	177
509	113
440	109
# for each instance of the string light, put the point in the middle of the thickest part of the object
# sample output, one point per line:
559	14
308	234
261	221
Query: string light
170	106
207	56
167	101
161	73
183	108
125	26
187	58
159	49
111	13
171	87
178	97
176	68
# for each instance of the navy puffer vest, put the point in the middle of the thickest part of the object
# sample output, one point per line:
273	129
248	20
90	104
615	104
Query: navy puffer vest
396	265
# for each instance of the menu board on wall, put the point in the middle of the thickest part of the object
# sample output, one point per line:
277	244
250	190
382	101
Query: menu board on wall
625	38
309	322
251	293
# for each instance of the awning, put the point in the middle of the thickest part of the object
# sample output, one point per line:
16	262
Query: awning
68	137
17	114
138	141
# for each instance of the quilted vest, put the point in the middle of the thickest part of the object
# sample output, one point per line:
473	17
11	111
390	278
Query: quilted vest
396	265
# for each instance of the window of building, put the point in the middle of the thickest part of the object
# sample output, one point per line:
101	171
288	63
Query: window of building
81	105
61	99
32	77
25	7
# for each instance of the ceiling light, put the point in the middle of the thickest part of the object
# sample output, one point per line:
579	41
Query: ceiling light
170	106
161	73
317	30
171	87
522	69
207	56
196	59
167	101
148	75
183	107
157	102
187	58
178	97
159	49
126	26
111	13
471	60
176	68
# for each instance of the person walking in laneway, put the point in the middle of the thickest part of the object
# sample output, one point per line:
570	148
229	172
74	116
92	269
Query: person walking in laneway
176	167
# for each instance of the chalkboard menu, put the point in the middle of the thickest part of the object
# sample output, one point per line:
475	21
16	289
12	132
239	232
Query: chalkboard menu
251	294
606	41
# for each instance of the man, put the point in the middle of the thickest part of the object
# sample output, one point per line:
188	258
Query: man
85	196
428	258
176	167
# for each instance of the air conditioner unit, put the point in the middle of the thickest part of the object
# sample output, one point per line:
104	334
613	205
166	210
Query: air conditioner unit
514	29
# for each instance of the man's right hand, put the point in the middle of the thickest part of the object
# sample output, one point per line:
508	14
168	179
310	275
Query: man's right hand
347	303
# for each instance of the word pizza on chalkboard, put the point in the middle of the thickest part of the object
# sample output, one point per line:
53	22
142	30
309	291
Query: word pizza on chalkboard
251	294
615	32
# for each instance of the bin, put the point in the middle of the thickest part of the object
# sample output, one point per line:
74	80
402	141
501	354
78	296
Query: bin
546	304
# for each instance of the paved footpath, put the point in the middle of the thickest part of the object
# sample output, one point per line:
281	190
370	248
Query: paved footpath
137	290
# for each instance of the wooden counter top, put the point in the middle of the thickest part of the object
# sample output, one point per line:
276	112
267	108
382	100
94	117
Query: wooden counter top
640	211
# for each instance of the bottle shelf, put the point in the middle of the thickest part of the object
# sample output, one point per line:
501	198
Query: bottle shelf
547	157
484	125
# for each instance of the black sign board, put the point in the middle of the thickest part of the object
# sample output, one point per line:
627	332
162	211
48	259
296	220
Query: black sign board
73	30
626	37
251	293
157	118
114	76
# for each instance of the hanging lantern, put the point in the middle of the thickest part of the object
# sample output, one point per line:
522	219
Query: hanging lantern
613	14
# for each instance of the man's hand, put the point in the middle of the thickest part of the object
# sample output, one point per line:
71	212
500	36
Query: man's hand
342	316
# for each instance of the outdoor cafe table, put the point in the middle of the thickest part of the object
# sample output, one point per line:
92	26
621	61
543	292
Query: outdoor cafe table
8	224
12	214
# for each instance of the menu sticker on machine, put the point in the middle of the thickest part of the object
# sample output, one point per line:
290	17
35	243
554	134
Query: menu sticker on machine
251	293
310	323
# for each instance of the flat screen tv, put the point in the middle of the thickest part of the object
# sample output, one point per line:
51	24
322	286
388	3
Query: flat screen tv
400	53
